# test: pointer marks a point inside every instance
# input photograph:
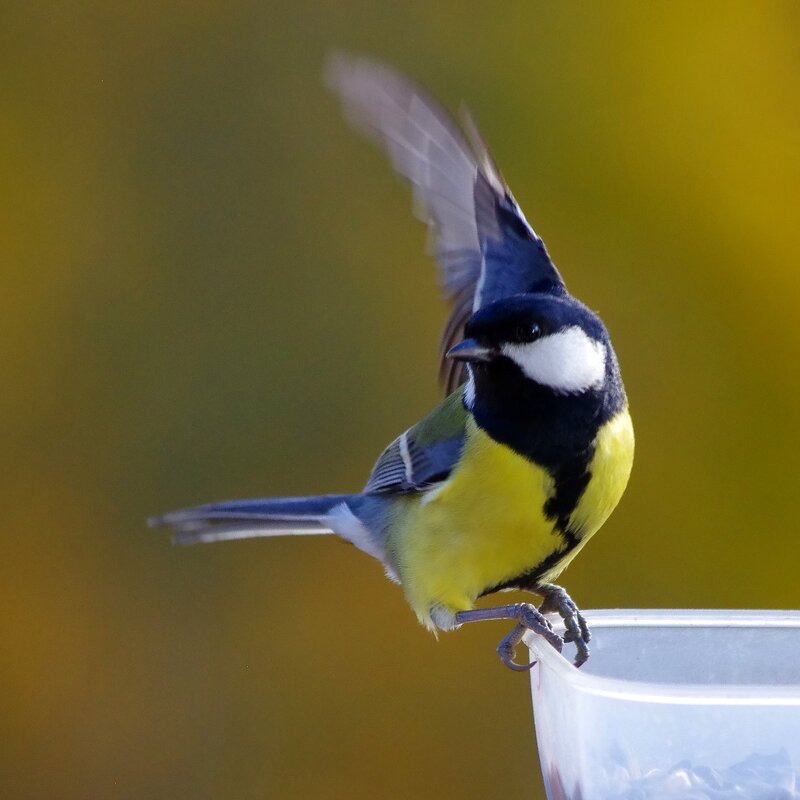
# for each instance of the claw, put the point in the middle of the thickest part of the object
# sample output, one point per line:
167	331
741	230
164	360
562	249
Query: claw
582	656
576	629
530	619
508	646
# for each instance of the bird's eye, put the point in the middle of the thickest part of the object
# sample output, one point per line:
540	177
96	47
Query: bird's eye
527	333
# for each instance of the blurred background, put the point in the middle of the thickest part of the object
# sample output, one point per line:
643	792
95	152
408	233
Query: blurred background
213	288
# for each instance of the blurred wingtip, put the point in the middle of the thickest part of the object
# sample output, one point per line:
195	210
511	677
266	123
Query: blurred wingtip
335	65
341	69
481	150
346	76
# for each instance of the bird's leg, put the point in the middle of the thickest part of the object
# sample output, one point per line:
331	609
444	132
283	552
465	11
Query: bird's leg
528	617
556	599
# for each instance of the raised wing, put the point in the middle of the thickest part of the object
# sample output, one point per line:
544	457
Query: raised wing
425	454
484	245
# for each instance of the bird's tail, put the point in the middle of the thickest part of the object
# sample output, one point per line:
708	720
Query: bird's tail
245	519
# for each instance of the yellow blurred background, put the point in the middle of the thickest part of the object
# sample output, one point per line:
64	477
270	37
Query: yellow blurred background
214	289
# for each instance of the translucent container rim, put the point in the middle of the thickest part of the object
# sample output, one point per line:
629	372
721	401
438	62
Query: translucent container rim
668	693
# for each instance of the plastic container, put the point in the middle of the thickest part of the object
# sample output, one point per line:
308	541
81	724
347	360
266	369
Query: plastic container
672	704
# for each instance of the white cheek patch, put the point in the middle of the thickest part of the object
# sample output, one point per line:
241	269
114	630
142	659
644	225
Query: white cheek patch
568	361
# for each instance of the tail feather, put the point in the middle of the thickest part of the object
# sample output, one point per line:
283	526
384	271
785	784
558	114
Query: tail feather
246	519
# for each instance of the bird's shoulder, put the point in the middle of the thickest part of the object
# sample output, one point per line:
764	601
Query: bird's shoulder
425	454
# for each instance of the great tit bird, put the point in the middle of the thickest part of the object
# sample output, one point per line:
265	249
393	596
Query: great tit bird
503	483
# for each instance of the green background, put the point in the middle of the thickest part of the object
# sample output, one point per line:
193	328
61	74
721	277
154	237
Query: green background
213	289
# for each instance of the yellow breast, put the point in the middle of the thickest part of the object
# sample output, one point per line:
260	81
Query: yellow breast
486	524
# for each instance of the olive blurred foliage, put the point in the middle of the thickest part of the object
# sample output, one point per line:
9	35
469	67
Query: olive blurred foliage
214	289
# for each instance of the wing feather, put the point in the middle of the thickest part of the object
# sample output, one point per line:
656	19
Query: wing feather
425	454
484	245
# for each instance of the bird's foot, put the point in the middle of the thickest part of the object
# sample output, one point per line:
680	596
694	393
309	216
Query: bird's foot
576	629
528	617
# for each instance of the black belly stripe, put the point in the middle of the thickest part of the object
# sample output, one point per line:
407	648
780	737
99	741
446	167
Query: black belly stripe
571	478
529	580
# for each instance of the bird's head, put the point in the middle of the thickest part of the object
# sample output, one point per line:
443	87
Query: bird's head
552	344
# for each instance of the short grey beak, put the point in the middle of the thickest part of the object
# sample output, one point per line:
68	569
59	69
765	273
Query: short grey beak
470	350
